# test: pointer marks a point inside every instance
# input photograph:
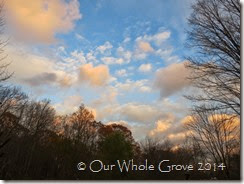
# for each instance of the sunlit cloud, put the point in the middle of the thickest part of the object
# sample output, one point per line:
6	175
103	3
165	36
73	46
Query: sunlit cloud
94	75
144	46
39	20
162	125
145	68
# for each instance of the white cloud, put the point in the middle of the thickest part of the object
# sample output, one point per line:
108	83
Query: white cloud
158	38
126	55
41	20
145	89
145	68
79	56
139	55
166	55
112	60
121	73
161	37
90	57
80	37
105	47
129	85
126	40
62	50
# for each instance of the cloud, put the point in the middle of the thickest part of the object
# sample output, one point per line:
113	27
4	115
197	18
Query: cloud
145	68
159	119
161	37
121	73
78	56
39	20
126	55
172	79
139	55
232	119
74	59
97	75
105	47
129	85
162	126
41	79
126	40
145	89
144	46
142	49
170	128
108	96
157	38
69	104
166	55
120	122
46	78
187	119
90	57
178	137
140	113
62	50
112	60
80	37
131	112
36	70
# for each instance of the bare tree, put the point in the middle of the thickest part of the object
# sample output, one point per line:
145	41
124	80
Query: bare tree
12	100
38	117
82	124
4	74
216	133
155	150
215	38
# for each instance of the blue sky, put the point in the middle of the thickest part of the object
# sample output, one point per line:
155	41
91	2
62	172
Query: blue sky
123	59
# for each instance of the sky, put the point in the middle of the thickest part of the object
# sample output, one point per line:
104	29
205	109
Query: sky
124	60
